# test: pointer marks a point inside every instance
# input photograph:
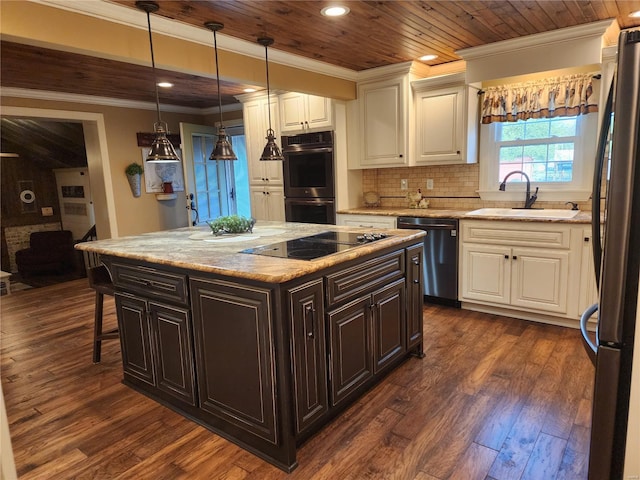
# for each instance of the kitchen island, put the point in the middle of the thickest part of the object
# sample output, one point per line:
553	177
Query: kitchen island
264	350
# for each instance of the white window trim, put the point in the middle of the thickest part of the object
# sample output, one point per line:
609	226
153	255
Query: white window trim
578	190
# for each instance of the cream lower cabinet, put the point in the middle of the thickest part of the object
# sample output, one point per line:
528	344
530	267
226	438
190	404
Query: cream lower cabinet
365	221
267	203
588	288
519	277
521	266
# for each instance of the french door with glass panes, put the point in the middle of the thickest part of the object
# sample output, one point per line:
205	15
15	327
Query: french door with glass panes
210	184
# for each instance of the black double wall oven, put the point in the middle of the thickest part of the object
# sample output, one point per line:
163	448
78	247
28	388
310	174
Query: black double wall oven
308	178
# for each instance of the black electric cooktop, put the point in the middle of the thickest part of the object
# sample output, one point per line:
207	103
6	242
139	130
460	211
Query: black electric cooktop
316	246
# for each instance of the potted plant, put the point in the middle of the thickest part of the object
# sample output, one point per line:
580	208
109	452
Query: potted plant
133	171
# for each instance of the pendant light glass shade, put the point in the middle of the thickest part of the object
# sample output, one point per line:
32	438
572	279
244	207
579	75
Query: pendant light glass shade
161	149
222	149
271	150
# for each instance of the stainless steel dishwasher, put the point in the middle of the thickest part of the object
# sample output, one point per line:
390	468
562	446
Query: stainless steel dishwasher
440	264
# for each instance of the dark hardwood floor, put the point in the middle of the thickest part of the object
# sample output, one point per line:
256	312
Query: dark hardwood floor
495	398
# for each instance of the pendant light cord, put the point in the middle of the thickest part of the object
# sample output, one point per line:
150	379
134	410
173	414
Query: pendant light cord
215	47
153	66
266	58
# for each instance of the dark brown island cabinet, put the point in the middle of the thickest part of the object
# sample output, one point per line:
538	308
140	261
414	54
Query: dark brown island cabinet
267	365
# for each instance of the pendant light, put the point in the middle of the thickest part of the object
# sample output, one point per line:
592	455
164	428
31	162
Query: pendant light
222	149
271	150
161	149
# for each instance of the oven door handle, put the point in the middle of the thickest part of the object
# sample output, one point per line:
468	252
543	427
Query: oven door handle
304	151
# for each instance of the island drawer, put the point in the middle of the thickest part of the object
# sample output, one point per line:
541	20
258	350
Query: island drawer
364	277
150	282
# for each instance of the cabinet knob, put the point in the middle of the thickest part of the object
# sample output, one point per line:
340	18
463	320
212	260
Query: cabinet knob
268	193
415	280
506	257
458	152
515	257
400	155
586	239
416	262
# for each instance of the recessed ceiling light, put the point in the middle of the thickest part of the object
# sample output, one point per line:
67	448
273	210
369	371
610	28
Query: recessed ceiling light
635	14
249	90
334	11
165	84
426	58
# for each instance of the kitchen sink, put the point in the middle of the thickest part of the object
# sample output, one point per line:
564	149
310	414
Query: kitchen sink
523	213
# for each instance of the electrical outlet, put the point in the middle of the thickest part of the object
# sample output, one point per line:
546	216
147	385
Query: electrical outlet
429	183
404	184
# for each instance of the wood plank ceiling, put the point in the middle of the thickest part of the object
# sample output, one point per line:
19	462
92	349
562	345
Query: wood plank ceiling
375	33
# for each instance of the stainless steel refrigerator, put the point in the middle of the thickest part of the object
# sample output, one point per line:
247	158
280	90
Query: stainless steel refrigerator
617	254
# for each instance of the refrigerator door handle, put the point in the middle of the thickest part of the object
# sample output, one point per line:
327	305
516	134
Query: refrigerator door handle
603	140
590	347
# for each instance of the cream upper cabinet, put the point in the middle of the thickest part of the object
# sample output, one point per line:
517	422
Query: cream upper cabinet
446	121
256	123
383	113
523	266
300	113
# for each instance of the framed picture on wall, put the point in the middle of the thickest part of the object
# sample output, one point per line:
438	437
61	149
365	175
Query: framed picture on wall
155	175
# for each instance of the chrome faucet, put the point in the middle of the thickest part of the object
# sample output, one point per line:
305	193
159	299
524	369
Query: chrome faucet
529	199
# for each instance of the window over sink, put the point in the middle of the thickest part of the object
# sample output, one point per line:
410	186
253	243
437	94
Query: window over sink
557	154
543	148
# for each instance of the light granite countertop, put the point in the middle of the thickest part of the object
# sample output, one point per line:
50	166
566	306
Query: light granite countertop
581	217
195	248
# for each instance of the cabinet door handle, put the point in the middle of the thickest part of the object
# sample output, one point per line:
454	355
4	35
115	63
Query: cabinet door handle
586	239
506	257
515	257
309	312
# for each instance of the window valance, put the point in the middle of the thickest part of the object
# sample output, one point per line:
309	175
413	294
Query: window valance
565	96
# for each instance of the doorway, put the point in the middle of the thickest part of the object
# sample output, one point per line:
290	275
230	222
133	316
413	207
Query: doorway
92	135
214	188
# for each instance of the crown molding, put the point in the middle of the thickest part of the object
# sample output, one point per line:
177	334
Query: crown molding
110	102
414	68
589	30
183	31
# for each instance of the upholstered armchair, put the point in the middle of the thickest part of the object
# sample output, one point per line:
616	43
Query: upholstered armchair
49	252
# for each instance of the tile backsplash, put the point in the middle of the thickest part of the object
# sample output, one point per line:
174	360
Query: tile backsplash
454	187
